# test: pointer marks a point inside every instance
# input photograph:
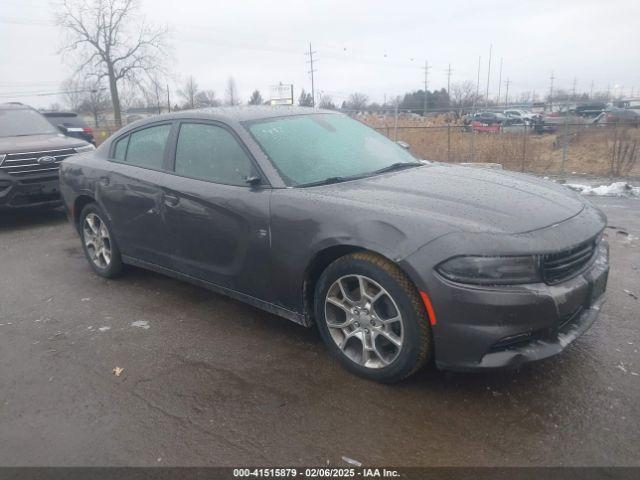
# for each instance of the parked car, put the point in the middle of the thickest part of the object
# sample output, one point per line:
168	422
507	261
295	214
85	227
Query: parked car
490	118
524	115
71	125
590	110
31	150
619	116
320	219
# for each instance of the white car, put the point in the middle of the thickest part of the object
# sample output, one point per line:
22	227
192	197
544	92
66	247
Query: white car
525	115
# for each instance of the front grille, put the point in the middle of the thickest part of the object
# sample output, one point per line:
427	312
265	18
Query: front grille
557	267
25	164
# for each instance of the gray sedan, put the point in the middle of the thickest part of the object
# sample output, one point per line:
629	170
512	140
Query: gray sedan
316	217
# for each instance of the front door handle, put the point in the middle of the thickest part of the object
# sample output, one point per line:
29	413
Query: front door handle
171	200
104	181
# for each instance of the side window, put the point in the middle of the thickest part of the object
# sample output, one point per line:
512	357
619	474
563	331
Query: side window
121	149
146	147
211	153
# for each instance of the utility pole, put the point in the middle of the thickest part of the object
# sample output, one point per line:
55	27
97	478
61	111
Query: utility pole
475	100
552	78
591	91
573	90
486	99
168	100
506	95
312	71
449	85
426	84
500	80
157	97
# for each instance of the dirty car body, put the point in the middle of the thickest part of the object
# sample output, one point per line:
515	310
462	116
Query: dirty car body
266	242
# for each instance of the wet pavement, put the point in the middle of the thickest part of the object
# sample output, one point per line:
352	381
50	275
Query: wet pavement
210	381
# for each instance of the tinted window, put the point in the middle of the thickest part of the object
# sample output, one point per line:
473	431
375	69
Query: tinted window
121	149
68	120
23	121
211	153
146	147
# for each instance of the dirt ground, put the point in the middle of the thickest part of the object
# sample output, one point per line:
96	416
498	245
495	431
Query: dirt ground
206	380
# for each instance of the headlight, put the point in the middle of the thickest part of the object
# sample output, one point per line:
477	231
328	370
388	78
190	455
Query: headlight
492	270
84	148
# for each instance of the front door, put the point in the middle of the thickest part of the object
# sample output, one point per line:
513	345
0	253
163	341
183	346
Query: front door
219	224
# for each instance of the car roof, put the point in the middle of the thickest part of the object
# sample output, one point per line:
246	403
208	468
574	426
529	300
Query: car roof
59	114
241	114
14	106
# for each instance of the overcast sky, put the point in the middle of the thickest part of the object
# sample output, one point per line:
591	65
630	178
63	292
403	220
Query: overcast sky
374	47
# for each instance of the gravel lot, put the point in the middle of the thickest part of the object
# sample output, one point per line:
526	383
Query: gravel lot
210	381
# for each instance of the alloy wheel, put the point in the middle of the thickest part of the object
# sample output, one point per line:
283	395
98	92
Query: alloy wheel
97	241
364	321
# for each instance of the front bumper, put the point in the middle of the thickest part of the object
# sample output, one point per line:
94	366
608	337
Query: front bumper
486	328
29	191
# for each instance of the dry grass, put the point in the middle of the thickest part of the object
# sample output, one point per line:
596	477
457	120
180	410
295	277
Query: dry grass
595	151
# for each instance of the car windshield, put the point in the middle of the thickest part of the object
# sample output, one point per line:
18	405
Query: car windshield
23	121
309	149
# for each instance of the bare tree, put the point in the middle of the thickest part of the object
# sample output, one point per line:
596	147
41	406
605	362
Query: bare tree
189	92
111	41
73	93
256	98
232	92
154	91
326	102
96	102
462	94
207	98
357	101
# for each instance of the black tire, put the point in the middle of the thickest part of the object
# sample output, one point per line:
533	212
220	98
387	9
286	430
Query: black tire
114	268
417	345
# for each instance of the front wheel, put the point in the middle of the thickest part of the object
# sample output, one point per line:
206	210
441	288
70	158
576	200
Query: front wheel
98	242
372	319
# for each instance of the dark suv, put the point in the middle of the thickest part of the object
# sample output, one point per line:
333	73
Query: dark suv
71	124
31	150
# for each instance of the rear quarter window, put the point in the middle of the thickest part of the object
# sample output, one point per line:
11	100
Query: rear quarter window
146	147
120	149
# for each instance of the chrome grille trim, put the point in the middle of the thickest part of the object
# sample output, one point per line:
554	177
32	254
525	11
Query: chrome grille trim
25	163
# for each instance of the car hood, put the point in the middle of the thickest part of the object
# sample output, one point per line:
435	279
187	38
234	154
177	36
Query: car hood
468	198
36	143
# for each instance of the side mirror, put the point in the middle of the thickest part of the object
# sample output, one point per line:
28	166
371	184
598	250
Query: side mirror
63	129
253	180
404	145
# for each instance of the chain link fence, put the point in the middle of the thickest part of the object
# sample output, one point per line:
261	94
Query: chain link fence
603	150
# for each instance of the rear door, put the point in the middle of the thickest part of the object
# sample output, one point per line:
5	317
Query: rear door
132	192
219	223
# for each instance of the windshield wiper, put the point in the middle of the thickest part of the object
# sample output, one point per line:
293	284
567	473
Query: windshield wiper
330	180
326	181
397	166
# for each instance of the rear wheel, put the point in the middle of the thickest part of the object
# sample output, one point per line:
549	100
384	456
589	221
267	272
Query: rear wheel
372	319
99	245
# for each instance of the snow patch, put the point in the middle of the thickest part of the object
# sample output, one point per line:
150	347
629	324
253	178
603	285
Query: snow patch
141	324
616	189
104	329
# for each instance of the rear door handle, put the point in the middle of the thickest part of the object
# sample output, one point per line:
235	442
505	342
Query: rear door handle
171	200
